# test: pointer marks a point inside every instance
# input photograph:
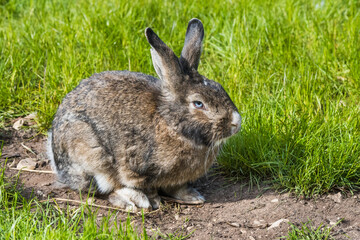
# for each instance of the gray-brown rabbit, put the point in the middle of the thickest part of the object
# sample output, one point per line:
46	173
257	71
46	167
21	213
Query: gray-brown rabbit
134	135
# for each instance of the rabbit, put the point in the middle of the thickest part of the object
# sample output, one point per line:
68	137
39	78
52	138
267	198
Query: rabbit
134	136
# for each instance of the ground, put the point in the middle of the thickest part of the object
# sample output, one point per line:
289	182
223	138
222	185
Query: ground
231	211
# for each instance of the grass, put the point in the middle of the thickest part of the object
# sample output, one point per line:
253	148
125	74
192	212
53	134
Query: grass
291	67
308	232
295	76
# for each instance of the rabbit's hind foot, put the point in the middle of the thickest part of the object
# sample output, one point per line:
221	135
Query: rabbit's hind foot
183	194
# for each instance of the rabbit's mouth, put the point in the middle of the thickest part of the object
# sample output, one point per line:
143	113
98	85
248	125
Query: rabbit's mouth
235	123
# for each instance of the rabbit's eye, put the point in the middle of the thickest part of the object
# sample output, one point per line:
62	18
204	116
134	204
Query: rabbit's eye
198	105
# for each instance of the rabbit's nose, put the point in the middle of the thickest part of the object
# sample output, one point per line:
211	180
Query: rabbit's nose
235	122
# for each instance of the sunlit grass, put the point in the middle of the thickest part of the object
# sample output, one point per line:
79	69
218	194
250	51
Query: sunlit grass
307	231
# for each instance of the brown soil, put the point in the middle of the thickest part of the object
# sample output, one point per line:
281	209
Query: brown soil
232	210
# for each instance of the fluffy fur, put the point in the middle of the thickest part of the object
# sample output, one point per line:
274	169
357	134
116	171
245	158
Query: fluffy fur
134	135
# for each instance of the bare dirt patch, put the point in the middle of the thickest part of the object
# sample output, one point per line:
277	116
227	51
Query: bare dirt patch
232	210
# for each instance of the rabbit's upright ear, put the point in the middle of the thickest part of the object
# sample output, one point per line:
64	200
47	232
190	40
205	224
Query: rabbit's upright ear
166	63
191	52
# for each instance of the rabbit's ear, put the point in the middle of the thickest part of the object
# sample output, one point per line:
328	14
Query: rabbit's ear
166	63
190	54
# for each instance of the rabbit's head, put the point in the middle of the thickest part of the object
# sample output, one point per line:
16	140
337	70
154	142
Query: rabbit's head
191	104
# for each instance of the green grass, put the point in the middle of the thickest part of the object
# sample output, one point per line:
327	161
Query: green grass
308	232
291	67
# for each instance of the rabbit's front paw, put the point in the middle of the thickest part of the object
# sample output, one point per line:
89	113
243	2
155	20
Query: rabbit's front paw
130	199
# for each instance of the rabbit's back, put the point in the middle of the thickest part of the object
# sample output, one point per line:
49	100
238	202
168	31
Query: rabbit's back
109	97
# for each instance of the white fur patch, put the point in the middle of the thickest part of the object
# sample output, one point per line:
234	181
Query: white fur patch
103	182
49	152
